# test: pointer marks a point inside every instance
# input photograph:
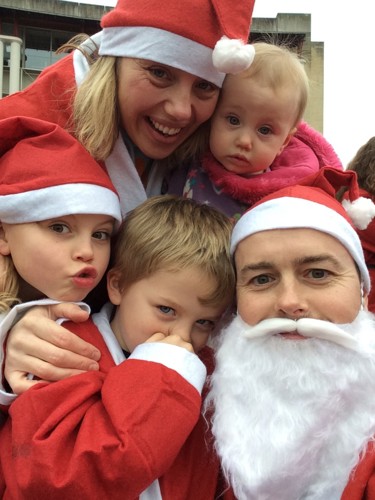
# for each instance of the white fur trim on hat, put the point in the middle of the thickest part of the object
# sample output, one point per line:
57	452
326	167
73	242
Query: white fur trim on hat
232	56
57	201
361	211
163	47
290	213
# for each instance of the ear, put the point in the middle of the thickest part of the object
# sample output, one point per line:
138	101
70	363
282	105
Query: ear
4	245
287	139
113	287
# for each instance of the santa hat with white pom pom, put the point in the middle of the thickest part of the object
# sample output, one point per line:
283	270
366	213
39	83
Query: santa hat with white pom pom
207	38
312	204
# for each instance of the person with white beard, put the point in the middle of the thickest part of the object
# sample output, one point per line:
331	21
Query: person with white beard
293	392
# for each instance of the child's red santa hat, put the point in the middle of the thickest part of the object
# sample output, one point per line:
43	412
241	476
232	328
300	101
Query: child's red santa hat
206	38
312	204
46	173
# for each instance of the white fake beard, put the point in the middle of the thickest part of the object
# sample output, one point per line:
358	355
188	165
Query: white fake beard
292	416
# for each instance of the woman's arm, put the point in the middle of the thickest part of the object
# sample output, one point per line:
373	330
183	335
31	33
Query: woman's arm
38	345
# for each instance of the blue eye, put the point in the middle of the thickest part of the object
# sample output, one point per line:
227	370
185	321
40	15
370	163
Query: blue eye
265	130
262	279
166	309
318	273
206	324
233	120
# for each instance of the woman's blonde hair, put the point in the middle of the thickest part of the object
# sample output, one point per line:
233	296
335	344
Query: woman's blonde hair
96	117
172	233
277	67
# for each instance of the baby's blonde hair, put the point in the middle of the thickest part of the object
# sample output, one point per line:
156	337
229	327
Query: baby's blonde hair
277	67
172	233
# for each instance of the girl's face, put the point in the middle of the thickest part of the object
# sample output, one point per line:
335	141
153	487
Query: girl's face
62	258
161	106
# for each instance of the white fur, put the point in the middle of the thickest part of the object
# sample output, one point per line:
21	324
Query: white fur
292	416
232	56
361	211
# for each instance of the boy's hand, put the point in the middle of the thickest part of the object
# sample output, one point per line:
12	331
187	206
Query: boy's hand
171	339
38	345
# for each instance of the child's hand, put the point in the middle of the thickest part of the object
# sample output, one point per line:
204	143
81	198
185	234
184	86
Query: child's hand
171	339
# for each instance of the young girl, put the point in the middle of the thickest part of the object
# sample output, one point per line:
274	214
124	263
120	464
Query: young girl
134	428
55	223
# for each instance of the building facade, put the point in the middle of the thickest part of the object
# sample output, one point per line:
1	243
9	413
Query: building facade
32	30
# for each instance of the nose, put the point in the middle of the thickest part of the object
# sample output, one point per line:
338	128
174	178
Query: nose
244	141
180	103
290	302
83	249
183	330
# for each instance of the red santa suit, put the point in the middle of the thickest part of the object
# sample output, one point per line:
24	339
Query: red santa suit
129	430
367	237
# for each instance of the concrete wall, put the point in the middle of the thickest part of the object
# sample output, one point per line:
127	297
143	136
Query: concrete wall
58	8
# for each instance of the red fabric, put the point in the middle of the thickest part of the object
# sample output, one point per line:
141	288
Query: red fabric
109	434
362	483
211	20
34	146
367	237
49	97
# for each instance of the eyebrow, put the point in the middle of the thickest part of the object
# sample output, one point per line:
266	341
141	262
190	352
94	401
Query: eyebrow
309	259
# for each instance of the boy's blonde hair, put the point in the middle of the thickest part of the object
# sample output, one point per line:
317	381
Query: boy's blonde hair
171	233
277	67
96	117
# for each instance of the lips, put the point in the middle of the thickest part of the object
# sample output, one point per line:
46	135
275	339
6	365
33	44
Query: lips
239	159
86	278
166	131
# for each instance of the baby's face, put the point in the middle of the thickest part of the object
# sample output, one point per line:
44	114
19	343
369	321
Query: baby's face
251	125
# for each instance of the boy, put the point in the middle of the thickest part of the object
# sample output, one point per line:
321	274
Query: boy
135	429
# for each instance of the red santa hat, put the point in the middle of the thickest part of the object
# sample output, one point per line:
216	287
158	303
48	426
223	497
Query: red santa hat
46	173
312	204
206	38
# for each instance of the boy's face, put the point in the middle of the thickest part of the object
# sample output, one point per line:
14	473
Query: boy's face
251	125
166	302
62	258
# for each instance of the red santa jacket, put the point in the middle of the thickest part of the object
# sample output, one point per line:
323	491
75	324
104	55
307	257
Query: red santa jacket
367	237
109	434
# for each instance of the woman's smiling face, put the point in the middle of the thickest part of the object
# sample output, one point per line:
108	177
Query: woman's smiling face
161	106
